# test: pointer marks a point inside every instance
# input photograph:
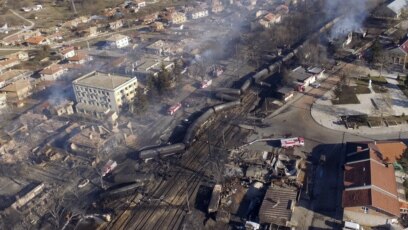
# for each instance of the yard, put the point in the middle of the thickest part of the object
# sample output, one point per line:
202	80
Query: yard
378	83
346	95
403	85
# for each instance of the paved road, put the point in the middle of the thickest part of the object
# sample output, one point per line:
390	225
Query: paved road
32	24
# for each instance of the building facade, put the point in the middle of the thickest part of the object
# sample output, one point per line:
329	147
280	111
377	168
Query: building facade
199	13
98	92
119	41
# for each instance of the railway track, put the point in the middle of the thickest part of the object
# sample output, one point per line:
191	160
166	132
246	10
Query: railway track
185	181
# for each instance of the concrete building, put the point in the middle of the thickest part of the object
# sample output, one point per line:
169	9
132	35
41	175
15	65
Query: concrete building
157	26
198	13
393	10
140	3
116	25
18	90
286	93
118	41
152	66
52	72
67	52
75	22
99	93
302	78
370	194
176	18
79	58
11	76
216	6
157	47
64	108
12	60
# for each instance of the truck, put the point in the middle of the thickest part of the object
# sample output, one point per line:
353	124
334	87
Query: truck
173	109
292	142
215	199
109	167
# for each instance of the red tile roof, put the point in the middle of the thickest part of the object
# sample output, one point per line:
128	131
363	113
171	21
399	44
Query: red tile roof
52	69
391	150
36	40
404	46
369	182
66	50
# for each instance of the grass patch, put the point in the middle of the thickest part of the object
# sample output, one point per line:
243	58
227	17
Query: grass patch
347	95
378	84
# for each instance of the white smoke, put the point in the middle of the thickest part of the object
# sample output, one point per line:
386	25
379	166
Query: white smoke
354	13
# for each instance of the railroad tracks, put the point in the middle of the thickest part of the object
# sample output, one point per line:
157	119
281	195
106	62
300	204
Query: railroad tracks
170	198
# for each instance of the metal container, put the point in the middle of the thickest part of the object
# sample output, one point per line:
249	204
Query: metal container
246	85
148	154
227	105
229	91
260	74
131	178
226	97
170	149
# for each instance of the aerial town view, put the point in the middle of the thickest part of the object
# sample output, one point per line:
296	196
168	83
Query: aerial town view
203	114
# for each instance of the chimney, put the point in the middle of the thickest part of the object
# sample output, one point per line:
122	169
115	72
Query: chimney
90	136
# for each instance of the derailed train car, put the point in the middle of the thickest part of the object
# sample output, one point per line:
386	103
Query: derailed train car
120	190
132	178
162	151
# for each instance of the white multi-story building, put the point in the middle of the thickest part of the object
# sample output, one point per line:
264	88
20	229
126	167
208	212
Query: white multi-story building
198	13
99	93
118	40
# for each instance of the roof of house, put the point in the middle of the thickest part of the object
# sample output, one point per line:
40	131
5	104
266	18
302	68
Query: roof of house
17	86
116	37
12	74
9	62
300	74
368	181
285	90
398	5
36	40
52	69
315	70
271	17
277	204
102	80
404	46
78	57
66	50
391	150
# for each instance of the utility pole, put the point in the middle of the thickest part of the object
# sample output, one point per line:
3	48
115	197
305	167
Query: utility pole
73	6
